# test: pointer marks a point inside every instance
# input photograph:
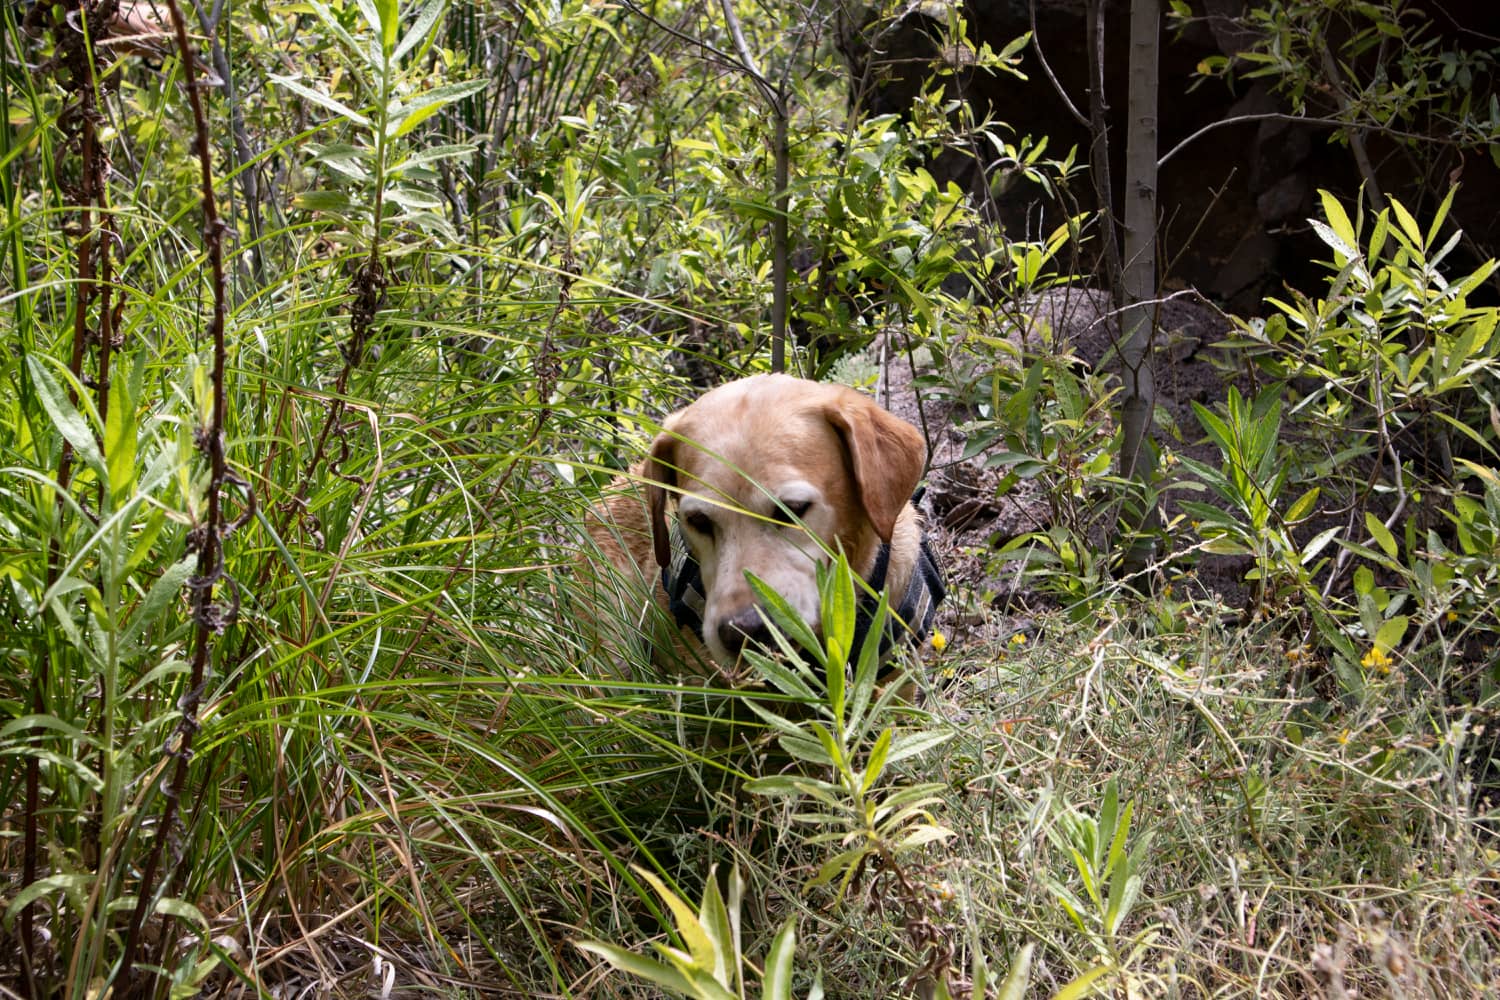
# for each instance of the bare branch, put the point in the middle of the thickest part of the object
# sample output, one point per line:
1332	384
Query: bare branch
207	617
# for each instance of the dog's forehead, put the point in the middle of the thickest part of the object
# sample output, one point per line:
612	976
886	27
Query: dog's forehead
769	427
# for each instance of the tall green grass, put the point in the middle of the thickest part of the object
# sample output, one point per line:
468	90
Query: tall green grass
404	745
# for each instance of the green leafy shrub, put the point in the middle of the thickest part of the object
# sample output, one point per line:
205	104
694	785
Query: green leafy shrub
1389	382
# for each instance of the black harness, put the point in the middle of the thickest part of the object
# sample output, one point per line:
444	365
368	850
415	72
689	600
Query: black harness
911	618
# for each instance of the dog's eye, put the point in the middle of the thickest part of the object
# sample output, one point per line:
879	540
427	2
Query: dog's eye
787	510
699	522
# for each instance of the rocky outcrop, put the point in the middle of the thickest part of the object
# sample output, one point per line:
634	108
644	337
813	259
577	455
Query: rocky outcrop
1234	201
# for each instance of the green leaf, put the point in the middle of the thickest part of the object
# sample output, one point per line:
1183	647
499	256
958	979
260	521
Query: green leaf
1019	977
910	744
1390	633
182	910
736	905
1345	251
1440	215
647	969
1226	546
1303	504
162	593
335	202
802	748
1083	985
838	627
322	100
775	670
421	28
1338	221
921	835
1378	236
843	864
831	746
173	667
875	764
776	784
65	417
689	929
783	616
1408	224
433	154
428	104
120	442
777	983
713	916
1381	534
390	25
1117	835
1318	543
48	722
72	884
1218	430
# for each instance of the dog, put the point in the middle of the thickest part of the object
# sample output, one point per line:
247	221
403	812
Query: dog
767	475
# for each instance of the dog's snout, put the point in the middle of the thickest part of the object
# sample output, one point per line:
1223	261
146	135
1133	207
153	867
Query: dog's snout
744	627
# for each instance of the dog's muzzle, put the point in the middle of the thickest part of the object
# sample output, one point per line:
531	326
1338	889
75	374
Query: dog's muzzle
910	620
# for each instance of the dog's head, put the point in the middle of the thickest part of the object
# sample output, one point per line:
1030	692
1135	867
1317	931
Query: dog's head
770	474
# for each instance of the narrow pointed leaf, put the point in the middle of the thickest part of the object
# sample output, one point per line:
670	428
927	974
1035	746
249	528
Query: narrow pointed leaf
777	984
65	417
322	100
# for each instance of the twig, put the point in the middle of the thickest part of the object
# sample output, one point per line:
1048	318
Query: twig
247	173
207	617
1062	94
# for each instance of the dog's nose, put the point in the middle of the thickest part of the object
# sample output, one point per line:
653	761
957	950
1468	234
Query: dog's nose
742	628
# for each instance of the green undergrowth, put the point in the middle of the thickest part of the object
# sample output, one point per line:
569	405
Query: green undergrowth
1120	810
395	742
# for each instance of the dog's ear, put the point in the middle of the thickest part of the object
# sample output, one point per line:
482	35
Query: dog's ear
886	452
661	475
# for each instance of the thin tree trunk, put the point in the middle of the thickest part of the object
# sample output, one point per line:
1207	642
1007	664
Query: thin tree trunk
1138	310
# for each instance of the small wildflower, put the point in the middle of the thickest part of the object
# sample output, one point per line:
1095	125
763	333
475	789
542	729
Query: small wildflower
1019	639
1452	617
939	641
1377	659
943	890
1343	737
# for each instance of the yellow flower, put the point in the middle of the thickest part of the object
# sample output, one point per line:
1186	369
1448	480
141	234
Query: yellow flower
1019	639
1452	617
939	641
1377	659
1343	737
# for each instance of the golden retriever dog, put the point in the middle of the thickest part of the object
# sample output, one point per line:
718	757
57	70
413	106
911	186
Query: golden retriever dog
767	475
